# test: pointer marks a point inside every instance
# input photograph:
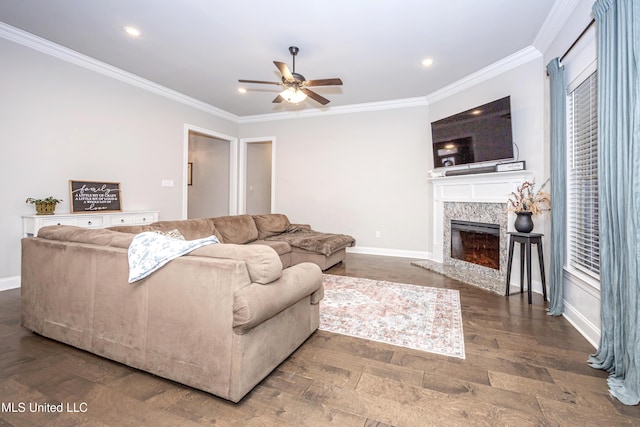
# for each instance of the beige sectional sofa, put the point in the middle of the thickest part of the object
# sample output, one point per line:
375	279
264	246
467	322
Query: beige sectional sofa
219	319
294	243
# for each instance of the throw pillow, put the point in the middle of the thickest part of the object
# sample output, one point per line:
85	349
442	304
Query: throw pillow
174	234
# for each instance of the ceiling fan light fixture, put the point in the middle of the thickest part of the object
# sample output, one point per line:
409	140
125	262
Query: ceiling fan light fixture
293	95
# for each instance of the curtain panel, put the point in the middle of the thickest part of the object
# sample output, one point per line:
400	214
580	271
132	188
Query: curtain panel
618	38
558	187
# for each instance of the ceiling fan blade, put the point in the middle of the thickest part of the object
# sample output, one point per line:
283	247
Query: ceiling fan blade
278	99
324	82
284	70
260	82
311	94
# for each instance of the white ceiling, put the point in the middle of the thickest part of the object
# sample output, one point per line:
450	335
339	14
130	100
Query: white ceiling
202	47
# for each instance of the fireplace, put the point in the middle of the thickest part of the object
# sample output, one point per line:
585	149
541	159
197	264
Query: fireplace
476	242
477	218
479	198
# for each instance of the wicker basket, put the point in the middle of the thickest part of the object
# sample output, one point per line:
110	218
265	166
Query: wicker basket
43	208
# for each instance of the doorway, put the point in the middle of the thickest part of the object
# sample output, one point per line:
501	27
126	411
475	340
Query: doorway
257	176
210	174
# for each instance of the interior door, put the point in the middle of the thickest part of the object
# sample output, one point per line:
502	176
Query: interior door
209	172
258	181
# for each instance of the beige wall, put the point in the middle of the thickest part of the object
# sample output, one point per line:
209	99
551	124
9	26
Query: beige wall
362	173
356	174
59	121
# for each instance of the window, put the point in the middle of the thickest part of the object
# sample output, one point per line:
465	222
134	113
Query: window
582	203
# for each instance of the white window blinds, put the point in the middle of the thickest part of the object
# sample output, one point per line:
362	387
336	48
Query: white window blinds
583	236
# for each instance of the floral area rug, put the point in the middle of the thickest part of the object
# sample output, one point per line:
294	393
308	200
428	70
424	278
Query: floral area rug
417	317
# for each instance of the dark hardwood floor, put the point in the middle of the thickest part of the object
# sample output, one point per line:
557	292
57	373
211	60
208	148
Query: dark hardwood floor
522	367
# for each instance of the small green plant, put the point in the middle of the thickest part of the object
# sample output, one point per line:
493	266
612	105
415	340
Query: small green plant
48	200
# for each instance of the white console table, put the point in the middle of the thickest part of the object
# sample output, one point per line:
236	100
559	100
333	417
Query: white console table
32	223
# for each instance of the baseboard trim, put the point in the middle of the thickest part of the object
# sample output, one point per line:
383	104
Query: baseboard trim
400	253
9	283
587	329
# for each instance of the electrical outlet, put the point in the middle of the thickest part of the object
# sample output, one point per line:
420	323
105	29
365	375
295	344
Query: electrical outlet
378	234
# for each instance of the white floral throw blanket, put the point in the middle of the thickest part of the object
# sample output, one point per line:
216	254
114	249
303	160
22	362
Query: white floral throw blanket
149	251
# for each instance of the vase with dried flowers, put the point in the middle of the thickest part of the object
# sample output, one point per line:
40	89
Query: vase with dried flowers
527	201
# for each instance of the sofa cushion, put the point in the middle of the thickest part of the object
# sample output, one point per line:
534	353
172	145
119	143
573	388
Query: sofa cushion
271	224
132	229
238	229
71	233
281	248
191	229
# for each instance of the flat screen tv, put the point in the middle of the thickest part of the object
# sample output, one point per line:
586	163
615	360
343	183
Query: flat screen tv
479	136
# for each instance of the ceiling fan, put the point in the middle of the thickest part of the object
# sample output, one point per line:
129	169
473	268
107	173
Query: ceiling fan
295	85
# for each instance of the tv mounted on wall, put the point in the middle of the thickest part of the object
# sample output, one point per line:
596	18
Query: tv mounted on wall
477	137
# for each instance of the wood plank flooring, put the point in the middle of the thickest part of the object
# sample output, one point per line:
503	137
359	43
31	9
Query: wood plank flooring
522	367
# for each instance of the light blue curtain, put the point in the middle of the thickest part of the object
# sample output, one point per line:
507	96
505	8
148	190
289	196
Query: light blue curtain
618	38
558	186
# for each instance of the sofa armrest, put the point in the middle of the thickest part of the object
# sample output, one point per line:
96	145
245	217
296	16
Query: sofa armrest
253	304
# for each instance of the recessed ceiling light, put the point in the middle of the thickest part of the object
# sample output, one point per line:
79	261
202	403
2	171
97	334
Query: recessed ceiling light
132	31
476	112
427	62
242	90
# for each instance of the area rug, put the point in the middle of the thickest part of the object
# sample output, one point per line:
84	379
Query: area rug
412	316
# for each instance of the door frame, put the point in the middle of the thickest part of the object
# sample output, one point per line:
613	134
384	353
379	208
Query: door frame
242	173
233	166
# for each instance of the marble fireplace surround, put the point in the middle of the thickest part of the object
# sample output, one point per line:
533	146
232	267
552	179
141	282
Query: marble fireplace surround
478	198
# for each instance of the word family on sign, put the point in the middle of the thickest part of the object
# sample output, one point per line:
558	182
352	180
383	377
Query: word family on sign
95	199
94	196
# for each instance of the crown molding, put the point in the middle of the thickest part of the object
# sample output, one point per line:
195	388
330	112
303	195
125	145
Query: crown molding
342	109
47	47
32	41
558	16
510	62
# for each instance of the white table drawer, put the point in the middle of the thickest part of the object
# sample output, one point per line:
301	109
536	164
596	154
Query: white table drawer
90	222
58	221
32	223
145	219
123	219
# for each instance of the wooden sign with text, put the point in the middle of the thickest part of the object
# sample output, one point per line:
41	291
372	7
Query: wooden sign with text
92	196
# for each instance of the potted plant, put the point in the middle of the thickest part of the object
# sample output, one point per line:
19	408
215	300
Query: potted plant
44	206
527	201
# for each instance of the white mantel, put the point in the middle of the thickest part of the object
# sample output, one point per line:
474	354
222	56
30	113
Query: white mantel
476	188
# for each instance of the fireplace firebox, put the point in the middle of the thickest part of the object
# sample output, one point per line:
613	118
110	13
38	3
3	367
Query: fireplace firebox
476	242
